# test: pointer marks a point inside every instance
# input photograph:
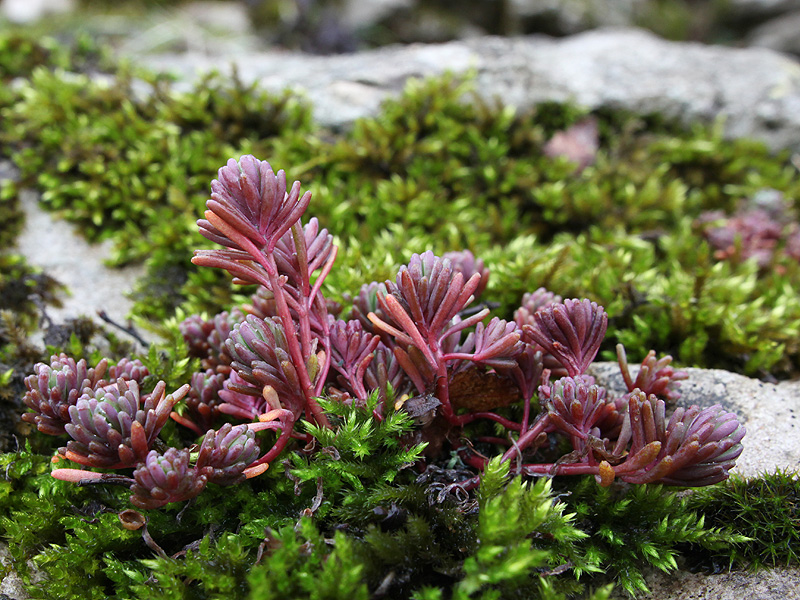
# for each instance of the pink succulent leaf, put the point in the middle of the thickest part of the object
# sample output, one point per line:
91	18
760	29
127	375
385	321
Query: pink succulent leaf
206	338
114	427
240	399
656	377
53	389
352	350
261	358
696	447
532	302
578	405
203	401
526	371
496	344
161	479
128	369
250	199
226	453
384	371
571	332
464	262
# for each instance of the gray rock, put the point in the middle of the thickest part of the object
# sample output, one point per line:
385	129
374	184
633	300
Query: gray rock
756	91
767	584
781	34
55	247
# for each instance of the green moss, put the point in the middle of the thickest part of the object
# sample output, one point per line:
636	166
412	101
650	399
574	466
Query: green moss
765	509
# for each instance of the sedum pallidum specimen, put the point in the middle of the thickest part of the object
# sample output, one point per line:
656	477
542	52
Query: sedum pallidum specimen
418	344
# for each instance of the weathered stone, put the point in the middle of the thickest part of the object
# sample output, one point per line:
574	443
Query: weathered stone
766	584
55	247
781	34
755	90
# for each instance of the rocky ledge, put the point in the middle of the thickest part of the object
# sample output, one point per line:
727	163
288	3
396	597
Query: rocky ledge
755	91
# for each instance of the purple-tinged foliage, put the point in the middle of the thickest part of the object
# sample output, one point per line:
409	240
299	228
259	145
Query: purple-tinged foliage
695	447
114	427
496	345
760	227
464	262
532	302
352	350
206	338
571	332
261	358
413	341
225	454
656	377
575	407
161	479
240	401
128	369
250	206
54	388
203	401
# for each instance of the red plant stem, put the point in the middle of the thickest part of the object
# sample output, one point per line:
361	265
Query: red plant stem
295	351
553	469
527	438
470	417
286	428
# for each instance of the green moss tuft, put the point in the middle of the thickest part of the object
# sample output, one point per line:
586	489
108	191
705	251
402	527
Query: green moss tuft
765	509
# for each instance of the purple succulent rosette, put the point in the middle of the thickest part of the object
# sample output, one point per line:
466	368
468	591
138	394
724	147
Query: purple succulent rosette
571	331
696	447
54	388
655	376
464	262
575	407
113	427
161	479
225	454
261	358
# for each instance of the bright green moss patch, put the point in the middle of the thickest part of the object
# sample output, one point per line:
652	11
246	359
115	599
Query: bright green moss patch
766	509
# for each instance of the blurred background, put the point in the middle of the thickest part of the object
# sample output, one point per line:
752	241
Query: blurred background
343	26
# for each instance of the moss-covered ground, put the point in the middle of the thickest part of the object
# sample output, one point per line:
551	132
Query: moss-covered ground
129	159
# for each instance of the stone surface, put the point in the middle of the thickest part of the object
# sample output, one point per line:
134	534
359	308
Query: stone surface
767	584
755	90
56	247
781	34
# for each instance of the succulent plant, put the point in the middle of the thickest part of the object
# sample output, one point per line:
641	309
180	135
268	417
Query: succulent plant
695	447
226	453
413	345
114	427
164	478
654	377
571	331
53	389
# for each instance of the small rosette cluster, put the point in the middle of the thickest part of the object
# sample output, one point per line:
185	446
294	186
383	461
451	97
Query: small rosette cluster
113	427
54	388
695	447
578	408
177	475
262	359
